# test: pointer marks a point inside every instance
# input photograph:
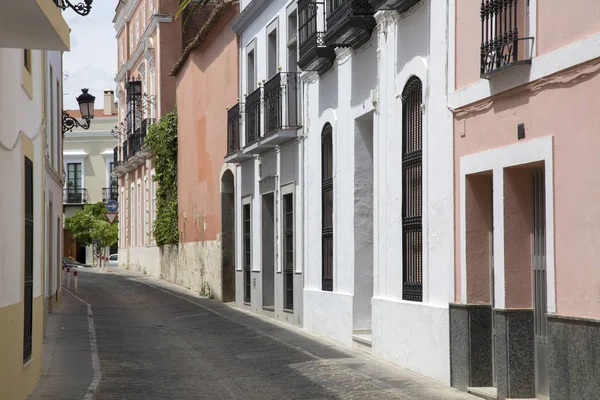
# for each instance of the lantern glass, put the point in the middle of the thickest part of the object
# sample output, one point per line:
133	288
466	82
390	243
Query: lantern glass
86	104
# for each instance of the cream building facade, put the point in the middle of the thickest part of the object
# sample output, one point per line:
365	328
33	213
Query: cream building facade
89	162
30	162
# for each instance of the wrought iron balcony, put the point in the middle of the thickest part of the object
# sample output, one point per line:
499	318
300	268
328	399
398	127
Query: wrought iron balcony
401	6
253	116
110	193
314	55
349	23
233	129
116	159
75	195
282	103
501	46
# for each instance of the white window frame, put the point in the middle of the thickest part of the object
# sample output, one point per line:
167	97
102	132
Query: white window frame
144	16
137	29
251	47
272	27
121	52
130	39
122	218
152	108
152	205
288	188
131	215
138	233
247	200
78	158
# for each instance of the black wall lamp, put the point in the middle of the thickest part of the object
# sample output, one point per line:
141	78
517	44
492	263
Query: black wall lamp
86	107
82	9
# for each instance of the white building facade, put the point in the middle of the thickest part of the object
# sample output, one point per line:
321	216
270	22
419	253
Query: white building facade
378	239
264	156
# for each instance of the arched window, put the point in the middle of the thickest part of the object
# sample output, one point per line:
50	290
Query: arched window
327	206
412	191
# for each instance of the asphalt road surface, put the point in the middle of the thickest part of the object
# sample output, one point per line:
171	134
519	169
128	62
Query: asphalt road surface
157	342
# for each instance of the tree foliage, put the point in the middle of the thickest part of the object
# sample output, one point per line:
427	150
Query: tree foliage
162	139
90	223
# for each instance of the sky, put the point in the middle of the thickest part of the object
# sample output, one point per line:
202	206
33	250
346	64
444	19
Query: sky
92	61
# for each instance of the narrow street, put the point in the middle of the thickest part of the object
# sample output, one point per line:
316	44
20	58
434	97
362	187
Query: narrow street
156	341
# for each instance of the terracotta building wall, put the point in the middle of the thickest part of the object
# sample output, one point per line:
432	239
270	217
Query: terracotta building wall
206	85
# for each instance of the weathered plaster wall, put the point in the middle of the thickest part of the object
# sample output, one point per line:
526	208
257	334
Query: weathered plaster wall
206	86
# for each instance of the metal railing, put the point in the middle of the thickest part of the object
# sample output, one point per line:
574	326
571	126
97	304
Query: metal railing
233	129
110	193
500	41
253	116
339	10
75	196
281	101
116	159
135	142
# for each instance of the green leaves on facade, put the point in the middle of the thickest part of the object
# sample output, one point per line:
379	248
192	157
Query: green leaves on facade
90	223
162	139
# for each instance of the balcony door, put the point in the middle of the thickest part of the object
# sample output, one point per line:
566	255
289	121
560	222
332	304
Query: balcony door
75	183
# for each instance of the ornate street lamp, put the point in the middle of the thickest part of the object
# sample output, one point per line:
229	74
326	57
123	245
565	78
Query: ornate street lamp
82	9
86	107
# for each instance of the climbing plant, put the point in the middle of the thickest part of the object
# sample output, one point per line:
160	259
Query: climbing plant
162	139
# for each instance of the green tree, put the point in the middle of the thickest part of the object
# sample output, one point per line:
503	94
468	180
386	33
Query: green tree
162	139
90	223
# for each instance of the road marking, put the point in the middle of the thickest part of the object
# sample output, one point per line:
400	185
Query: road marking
89	394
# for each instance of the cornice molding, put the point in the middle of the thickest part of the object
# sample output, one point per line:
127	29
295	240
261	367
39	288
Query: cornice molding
125	14
248	15
141	46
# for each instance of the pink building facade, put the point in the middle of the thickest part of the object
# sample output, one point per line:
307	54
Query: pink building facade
207	83
525	321
149	44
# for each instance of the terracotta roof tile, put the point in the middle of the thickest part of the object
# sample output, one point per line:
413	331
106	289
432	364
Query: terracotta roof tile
97	113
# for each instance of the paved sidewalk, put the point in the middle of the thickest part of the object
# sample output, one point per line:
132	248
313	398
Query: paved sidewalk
66	354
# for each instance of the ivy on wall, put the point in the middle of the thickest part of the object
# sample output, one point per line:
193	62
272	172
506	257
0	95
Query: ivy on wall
162	139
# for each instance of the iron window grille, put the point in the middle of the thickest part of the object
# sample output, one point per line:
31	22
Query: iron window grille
116	159
281	100
233	129
412	191
247	254
28	258
288	230
327	206
501	46
253	116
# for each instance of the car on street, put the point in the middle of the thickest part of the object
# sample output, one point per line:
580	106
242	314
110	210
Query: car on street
113	260
69	262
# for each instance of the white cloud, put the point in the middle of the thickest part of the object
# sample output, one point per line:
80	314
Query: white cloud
92	61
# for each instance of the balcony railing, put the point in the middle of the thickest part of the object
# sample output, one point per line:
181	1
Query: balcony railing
110	193
233	129
281	101
75	196
313	54
349	23
116	159
135	142
253	116
501	46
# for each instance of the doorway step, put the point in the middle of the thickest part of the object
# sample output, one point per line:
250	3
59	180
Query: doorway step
487	393
361	340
